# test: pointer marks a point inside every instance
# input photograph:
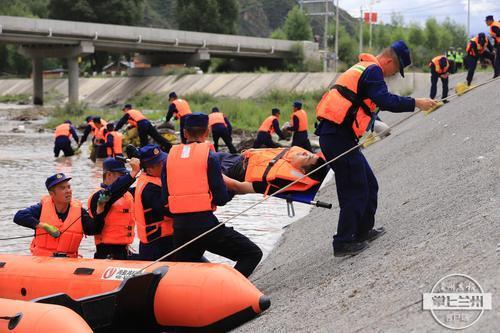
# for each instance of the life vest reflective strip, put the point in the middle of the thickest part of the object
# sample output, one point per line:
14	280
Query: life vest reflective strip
302	117
117	143
270	164
147	229
493	34
187	178
437	65
182	108
71	230
480	48
342	104
119	222
267	125
134	116
63	130
216	118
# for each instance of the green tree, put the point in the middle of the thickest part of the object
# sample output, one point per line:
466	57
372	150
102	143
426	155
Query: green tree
415	35
297	26
432	35
278	34
216	16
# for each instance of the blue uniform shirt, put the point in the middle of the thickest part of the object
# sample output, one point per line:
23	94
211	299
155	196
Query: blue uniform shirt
372	85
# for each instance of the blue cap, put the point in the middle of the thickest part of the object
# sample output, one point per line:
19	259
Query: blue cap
275	111
127	106
196	119
215	109
55	179
403	53
97	119
172	95
113	165
297	104
67	121
88	118
489	18
151	154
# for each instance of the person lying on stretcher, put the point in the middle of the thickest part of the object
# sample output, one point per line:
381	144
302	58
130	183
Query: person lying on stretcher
268	170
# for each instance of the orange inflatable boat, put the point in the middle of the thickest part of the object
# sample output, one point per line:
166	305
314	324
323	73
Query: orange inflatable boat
28	317
112	295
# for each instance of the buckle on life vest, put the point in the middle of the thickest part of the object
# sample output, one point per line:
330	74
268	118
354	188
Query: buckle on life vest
129	227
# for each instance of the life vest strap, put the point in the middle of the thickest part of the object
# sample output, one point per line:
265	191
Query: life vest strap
270	166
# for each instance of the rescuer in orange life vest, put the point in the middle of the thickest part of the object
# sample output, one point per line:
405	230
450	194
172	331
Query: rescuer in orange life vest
89	129
154	224
495	34
99	141
194	188
62	139
144	127
478	48
440	68
119	220
221	129
113	141
345	113
59	221
299	127
178	108
269	126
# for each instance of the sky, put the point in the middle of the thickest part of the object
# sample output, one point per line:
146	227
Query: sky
419	10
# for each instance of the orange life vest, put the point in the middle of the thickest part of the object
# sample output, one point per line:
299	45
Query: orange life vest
267	125
493	34
147	229
134	116
63	130
71	230
117	144
92	126
187	178
343	104
119	222
216	118
182	108
302	117
437	65
480	48
270	164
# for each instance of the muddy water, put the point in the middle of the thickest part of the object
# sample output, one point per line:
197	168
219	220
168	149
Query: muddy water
26	159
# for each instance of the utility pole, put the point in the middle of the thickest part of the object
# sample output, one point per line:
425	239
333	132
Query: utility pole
325	40
336	35
361	29
468	18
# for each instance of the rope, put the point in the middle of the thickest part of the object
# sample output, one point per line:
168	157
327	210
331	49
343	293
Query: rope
299	179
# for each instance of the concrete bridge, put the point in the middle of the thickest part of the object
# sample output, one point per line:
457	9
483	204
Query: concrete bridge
41	38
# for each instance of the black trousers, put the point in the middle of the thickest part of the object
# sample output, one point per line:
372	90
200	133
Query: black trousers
434	80
156	249
111	251
300	139
64	145
265	139
224	241
496	64
145	129
226	137
471	64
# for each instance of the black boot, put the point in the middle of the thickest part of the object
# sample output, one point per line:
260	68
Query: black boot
373	234
349	249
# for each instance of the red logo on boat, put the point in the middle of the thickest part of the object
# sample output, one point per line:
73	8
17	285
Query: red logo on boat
109	272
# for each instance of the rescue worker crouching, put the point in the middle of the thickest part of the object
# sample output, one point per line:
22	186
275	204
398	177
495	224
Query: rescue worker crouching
144	127
221	129
179	109
62	136
195	187
478	48
299	126
154	226
89	129
119	220
345	113
440	68
113	141
269	126
59	221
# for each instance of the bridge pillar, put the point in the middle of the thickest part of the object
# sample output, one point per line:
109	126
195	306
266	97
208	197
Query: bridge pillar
37	80
73	76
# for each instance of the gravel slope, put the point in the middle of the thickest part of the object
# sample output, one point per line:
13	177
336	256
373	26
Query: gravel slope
439	201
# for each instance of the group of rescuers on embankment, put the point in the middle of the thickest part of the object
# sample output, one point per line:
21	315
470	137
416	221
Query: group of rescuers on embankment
179	187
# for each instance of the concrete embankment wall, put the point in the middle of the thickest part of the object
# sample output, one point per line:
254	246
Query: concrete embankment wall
101	91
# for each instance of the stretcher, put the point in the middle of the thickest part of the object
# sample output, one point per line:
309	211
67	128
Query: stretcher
306	197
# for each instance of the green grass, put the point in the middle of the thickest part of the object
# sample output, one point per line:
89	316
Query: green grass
17	99
245	114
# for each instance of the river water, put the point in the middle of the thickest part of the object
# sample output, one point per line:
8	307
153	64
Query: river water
26	160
